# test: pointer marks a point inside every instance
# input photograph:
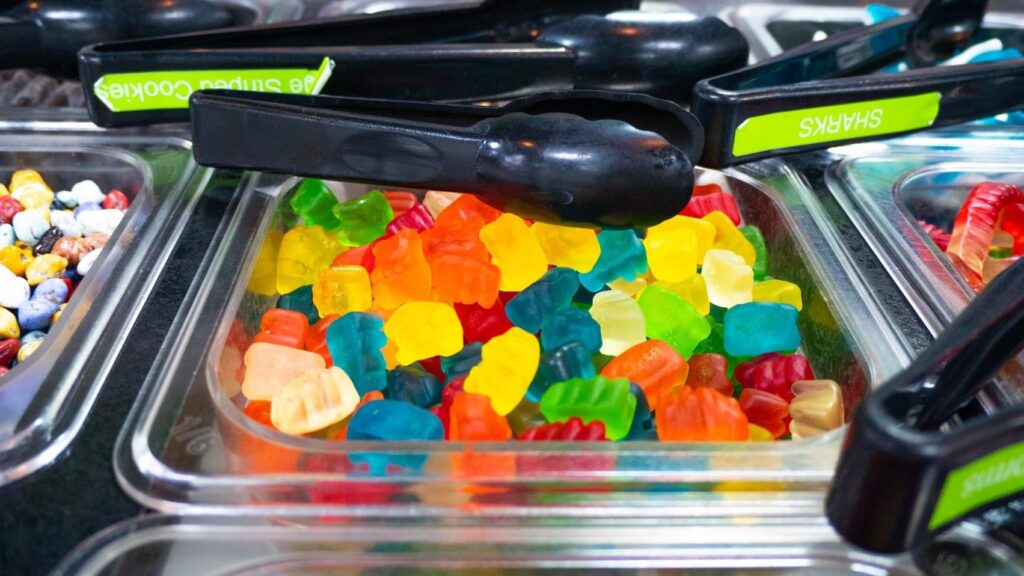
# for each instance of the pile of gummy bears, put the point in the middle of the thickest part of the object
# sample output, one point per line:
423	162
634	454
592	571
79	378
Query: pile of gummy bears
48	243
400	319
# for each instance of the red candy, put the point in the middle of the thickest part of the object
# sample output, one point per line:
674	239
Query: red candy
448	395
480	324
700	415
774	373
938	235
700	206
710	370
283	327
259	410
8	208
400	201
433	365
572	429
705	189
316	338
115	200
418	218
9	351
765	410
975	227
471	418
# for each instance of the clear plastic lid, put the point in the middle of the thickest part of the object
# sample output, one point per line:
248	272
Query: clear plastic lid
174	546
188	446
45	399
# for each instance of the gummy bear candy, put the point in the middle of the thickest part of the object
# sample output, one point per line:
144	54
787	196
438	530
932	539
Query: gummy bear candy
671	251
414	385
316	338
729	279
710	370
700	415
765	410
572	429
463	361
756	240
303	252
460	265
355	341
568	247
509	363
653	365
554	290
669	318
621	321
472	418
774	373
780	291
817	407
702	205
263	280
467	208
269	367
568	361
728	237
417	218
480	324
314	202
313	401
693	290
395	421
342	289
400	201
597	398
515	251
424	329
363	219
283	327
300	300
401	273
571	325
436	202
622	256
760	327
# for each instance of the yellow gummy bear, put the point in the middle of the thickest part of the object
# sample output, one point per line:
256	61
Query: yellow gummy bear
9	327
424	329
342	289
630	287
263	280
269	367
780	291
671	252
575	248
704	231
515	251
728	237
759	434
314	401
507	365
694	290
44	267
305	250
817	407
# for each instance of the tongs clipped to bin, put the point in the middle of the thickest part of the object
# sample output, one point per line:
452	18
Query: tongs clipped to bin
594	158
901	480
811	96
495	51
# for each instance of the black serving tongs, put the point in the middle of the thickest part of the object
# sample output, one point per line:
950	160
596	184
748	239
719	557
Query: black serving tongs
496	51
818	94
589	158
901	480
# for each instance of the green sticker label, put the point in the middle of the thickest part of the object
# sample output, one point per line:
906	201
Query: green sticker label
834	123
169	90
985	480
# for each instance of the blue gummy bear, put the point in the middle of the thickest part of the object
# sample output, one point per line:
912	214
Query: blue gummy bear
554	290
394	421
571	325
355	341
414	385
568	361
622	256
36	313
462	361
643	421
757	328
300	300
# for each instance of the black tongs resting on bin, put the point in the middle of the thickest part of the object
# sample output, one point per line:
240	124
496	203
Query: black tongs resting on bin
498	50
817	95
592	158
901	480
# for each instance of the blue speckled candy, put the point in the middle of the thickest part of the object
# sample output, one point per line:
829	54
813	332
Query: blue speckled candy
571	325
554	290
35	314
757	328
622	256
414	385
462	361
355	341
52	289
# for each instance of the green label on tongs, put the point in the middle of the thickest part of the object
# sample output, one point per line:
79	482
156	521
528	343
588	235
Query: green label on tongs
996	476
170	89
835	123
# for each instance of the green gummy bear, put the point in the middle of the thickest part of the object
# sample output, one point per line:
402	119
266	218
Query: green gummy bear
756	239
315	203
364	219
670	318
596	398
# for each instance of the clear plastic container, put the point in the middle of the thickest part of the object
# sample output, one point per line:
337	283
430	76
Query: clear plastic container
188	446
887	188
44	400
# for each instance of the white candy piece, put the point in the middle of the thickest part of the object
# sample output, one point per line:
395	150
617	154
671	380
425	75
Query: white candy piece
29	226
85	264
66	222
66	198
6	235
14	290
104	221
87	191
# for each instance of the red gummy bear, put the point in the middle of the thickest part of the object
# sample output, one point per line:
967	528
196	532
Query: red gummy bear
710	370
480	324
316	338
572	429
418	218
400	201
700	206
283	327
765	410
774	373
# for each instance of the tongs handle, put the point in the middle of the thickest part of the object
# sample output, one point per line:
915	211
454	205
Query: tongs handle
900	480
